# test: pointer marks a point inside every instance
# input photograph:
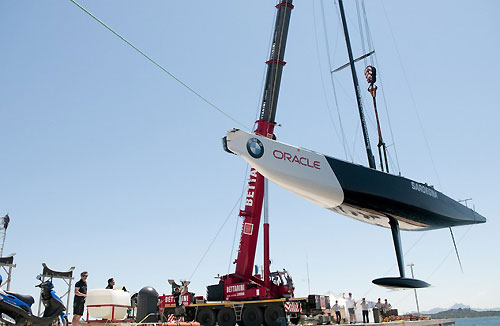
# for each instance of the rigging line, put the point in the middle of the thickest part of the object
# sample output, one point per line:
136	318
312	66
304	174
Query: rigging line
456	250
449	253
367	29
160	66
348	94
368	116
330	59
215	237
391	161
355	139
413	99
374	61
386	110
362	37
321	76
237	220
342	138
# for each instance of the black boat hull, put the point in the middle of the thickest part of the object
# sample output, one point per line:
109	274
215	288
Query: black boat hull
350	189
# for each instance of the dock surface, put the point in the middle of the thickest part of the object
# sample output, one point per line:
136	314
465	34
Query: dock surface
432	322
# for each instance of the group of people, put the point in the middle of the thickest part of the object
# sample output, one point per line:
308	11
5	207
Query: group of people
81	294
382	308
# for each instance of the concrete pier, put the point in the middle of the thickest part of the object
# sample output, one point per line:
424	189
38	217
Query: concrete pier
432	322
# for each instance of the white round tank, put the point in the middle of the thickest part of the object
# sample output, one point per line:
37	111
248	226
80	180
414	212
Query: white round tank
111	299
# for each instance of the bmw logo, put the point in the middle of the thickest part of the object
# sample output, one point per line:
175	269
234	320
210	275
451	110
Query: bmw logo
255	148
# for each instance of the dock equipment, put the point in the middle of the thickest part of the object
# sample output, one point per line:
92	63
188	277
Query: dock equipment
67	277
7	263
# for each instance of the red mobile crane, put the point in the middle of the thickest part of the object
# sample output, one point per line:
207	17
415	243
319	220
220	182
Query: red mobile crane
242	285
242	296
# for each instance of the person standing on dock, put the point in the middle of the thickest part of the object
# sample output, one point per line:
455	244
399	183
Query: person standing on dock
364	308
377	310
351	304
386	309
336	308
79	299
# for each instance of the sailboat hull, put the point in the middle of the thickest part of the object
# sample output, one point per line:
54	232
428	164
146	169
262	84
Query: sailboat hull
349	189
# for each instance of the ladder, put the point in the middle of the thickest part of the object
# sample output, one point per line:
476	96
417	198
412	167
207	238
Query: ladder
238	310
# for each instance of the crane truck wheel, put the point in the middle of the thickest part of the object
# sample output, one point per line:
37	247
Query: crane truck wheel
252	316
272	313
226	317
206	317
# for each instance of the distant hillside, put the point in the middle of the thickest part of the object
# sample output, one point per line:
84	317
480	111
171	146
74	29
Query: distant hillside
455	306
463	313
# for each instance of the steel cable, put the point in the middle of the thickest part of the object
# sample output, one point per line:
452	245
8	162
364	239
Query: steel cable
161	67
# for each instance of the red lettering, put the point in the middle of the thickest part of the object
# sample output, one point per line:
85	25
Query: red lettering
278	154
296	159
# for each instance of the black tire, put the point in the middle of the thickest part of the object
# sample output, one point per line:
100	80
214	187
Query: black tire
206	317
295	320
226	317
252	316
60	321
272	313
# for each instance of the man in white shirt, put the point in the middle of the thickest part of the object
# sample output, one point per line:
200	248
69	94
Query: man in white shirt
364	308
377	310
351	304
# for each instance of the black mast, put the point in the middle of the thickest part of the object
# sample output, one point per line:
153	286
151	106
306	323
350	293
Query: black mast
371	159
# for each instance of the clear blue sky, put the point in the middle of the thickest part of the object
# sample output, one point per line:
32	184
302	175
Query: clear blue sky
111	166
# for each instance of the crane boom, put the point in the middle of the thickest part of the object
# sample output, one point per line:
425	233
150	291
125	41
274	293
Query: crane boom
256	183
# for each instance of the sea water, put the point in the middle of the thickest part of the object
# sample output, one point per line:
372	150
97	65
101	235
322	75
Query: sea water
481	321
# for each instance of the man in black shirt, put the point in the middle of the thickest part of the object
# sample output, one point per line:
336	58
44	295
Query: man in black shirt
79	299
111	284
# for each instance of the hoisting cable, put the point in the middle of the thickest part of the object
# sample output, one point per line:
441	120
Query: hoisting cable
238	201
161	67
